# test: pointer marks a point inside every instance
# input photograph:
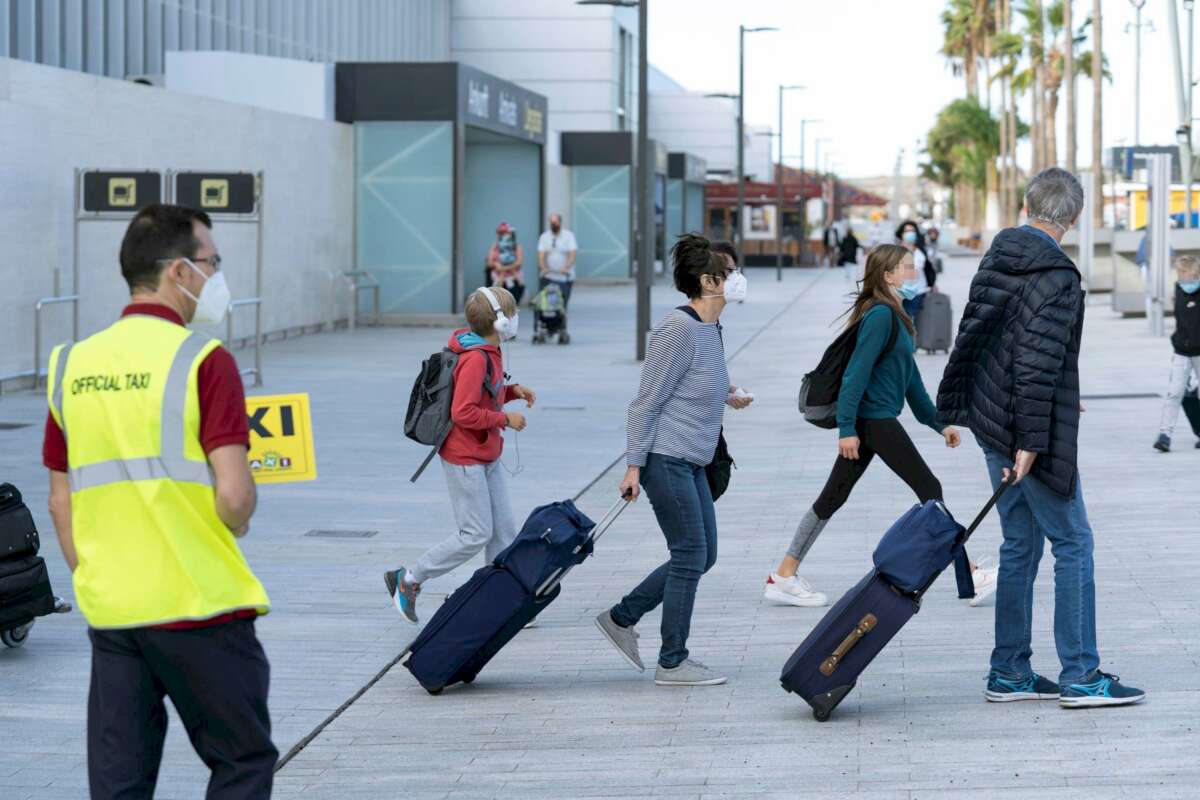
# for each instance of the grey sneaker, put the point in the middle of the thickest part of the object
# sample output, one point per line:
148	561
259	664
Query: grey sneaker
689	673
624	639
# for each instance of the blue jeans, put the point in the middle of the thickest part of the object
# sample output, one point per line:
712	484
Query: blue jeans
1030	512
679	493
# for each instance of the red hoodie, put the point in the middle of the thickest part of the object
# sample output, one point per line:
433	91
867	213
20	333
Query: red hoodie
476	435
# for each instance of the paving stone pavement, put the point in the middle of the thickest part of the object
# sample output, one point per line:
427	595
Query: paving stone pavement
558	714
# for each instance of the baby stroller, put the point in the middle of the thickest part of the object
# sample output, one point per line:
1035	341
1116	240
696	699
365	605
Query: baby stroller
550	315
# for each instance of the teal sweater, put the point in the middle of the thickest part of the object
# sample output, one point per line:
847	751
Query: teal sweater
871	392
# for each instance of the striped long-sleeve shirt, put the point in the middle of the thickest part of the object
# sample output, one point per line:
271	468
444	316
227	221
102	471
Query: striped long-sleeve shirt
681	400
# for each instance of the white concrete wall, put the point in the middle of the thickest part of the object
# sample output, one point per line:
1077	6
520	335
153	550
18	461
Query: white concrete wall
558	194
277	84
567	52
54	120
692	123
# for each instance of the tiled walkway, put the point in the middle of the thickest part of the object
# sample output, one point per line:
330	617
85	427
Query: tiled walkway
558	714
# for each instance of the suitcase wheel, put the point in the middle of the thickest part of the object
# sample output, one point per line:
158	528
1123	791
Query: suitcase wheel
16	637
820	715
469	680
434	692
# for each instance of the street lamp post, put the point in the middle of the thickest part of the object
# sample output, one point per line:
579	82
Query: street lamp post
1137	76
779	187
741	143
644	176
1190	7
803	196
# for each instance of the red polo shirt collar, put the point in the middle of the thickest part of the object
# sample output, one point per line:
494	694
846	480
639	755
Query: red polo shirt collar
153	310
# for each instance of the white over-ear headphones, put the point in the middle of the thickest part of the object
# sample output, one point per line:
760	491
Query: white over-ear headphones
507	328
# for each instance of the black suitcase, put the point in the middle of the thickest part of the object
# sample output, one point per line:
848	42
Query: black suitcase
935	323
18	534
486	612
827	664
25	591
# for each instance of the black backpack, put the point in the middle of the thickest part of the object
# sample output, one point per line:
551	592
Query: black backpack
427	420
819	389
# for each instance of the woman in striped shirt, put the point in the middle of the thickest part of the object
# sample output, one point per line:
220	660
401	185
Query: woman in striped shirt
673	427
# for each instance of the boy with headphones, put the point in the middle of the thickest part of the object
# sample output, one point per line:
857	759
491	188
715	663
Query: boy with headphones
471	453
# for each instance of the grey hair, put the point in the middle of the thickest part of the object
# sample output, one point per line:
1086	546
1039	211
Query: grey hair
1054	195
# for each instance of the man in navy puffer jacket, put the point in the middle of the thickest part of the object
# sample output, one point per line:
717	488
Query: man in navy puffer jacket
1013	379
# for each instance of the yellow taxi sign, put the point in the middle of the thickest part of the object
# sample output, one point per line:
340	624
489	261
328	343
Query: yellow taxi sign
281	442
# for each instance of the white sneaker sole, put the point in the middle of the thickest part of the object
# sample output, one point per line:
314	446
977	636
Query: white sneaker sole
1098	702
396	603
617	647
1012	697
980	597
794	600
709	682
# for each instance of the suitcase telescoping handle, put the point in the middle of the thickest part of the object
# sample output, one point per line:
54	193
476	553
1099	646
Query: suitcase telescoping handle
1005	482
599	530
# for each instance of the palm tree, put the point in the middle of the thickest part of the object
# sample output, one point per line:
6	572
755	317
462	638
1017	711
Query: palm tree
968	29
1033	78
1069	69
961	43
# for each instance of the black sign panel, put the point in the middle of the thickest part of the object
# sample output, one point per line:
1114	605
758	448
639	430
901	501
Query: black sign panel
216	192
596	148
121	191
438	91
486	101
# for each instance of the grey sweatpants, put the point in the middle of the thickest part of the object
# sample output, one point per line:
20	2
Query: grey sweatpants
483	514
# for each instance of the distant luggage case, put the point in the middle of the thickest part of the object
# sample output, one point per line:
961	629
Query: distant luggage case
935	323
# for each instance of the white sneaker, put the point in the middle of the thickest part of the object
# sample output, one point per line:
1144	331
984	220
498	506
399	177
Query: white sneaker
794	591
985	579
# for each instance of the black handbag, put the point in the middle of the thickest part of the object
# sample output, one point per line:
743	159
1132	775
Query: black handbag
720	469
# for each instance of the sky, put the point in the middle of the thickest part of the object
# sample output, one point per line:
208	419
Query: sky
875	76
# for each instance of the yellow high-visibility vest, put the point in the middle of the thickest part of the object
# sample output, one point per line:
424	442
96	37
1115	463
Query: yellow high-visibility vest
151	547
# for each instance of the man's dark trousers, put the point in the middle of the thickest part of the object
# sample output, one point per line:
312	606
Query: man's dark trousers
217	677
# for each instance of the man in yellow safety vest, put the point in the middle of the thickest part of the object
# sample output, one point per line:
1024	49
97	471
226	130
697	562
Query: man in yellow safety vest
146	444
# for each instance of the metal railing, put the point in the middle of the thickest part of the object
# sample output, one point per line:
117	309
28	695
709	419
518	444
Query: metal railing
256	370
37	329
359	280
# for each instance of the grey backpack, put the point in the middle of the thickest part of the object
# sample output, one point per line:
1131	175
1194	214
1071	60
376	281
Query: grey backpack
427	420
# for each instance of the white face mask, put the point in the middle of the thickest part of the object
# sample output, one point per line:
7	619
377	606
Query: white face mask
213	302
735	288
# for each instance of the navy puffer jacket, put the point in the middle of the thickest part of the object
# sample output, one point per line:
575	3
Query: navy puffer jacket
1013	377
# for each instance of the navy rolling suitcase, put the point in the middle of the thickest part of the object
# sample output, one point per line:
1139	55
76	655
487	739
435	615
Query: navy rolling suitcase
501	598
909	558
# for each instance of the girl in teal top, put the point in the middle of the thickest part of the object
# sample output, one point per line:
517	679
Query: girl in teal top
871	397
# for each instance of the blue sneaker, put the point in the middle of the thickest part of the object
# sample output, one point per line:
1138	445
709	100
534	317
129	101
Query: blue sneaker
404	594
1099	689
1035	687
